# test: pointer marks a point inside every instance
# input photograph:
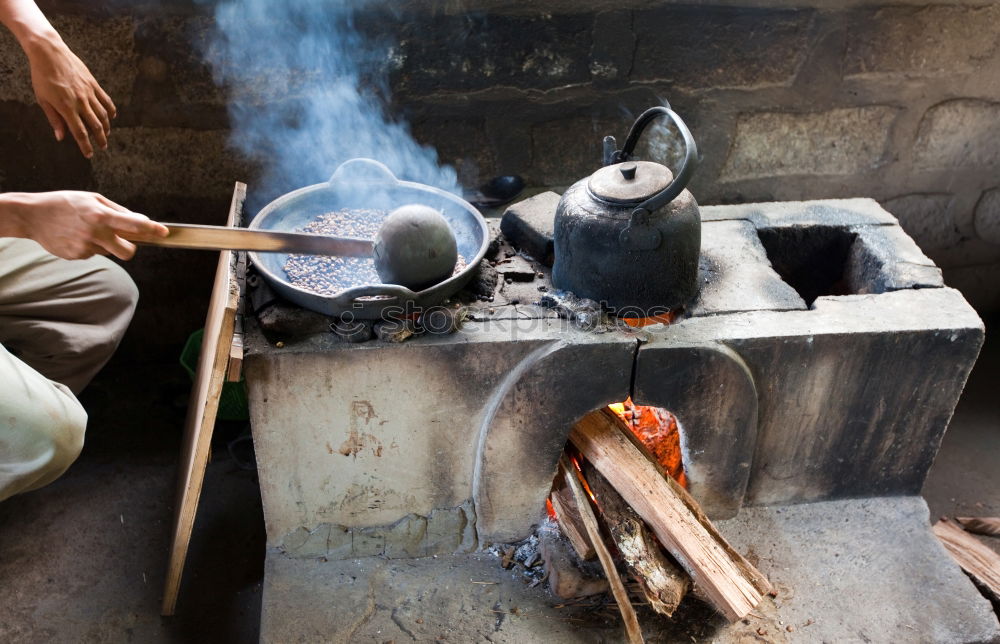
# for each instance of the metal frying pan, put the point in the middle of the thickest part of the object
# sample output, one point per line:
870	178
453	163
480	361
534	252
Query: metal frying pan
367	184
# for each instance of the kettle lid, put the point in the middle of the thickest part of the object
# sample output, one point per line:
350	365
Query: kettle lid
629	182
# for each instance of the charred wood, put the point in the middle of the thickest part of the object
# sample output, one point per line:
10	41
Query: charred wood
661	581
567	577
568	518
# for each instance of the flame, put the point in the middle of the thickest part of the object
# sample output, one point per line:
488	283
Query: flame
580	477
657	429
661	318
551	511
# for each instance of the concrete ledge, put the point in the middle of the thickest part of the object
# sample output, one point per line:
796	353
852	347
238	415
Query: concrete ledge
734	273
863	570
847	571
823	212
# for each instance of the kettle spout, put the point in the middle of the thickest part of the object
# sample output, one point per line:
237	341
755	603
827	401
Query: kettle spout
610	151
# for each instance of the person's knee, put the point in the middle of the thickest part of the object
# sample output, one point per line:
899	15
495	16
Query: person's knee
66	444
42	442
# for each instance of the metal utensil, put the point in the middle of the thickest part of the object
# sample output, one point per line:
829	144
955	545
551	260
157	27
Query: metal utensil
224	238
370	185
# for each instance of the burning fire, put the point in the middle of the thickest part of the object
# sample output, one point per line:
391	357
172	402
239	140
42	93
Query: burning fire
579	475
657	429
549	510
662	318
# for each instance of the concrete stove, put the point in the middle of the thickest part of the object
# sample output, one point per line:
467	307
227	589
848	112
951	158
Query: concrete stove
821	361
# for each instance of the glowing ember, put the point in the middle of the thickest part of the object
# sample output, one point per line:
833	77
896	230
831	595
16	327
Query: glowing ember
662	318
657	429
551	511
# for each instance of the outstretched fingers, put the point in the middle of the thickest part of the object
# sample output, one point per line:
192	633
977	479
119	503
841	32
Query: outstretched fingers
106	102
55	121
95	125
79	132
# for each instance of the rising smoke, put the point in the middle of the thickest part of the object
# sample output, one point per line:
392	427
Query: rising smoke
295	72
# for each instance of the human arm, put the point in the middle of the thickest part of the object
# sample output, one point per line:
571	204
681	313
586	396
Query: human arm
73	224
67	92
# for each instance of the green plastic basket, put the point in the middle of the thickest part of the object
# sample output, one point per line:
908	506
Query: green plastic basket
233	401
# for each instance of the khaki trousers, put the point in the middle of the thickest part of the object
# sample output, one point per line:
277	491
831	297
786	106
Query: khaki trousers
60	321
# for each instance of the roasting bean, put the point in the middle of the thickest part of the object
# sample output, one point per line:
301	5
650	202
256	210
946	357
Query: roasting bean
326	275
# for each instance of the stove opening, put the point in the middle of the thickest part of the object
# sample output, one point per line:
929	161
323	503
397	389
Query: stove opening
567	551
812	260
654	427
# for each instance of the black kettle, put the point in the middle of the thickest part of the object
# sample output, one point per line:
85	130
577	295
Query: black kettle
629	235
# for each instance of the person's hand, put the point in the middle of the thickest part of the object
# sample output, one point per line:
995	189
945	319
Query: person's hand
69	95
77	225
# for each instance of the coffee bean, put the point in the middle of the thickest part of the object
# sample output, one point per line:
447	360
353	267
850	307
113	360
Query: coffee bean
326	275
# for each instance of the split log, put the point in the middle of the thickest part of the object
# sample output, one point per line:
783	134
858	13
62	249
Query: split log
975	558
632	628
568	517
661	581
726	579
988	526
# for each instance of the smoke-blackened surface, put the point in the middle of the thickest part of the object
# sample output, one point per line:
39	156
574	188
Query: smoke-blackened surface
306	93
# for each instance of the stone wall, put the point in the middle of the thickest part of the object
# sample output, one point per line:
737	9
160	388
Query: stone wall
787	99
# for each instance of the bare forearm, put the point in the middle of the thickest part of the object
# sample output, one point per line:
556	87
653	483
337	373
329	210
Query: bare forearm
67	92
12	208
28	24
73	224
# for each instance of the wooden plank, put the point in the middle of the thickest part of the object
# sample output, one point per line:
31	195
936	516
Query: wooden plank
726	579
568	517
632	628
661	581
203	406
988	526
975	558
235	368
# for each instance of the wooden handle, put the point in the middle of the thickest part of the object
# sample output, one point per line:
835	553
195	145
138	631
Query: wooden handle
225	238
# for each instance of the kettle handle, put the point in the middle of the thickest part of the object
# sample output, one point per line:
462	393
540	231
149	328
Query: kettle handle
687	168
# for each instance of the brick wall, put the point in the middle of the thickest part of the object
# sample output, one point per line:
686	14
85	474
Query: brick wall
787	100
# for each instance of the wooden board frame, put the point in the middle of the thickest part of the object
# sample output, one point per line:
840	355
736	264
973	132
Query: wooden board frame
203	405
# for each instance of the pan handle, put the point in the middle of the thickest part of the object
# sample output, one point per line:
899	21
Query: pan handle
393	291
362	170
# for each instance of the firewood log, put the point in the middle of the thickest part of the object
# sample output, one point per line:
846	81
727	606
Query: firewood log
727	580
976	559
988	526
632	629
662	582
568	517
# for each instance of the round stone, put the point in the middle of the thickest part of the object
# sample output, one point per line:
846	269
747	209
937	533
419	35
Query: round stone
415	248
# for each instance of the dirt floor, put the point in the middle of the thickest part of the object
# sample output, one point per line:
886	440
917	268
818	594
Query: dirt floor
84	559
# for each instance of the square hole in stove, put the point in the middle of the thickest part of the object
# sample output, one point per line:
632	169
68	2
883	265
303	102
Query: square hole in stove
810	259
